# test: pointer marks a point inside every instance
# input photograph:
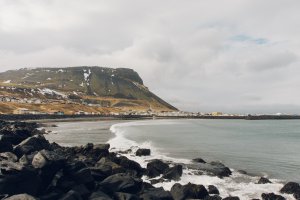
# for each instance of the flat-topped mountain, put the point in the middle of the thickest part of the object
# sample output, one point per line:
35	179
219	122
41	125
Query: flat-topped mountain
95	87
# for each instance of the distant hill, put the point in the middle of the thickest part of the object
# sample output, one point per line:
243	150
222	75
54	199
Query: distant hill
119	89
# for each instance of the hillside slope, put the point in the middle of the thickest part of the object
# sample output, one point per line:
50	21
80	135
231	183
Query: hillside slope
119	88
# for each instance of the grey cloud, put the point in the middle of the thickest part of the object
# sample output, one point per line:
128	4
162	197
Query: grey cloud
184	51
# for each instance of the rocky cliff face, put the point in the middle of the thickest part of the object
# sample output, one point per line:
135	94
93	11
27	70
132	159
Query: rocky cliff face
122	87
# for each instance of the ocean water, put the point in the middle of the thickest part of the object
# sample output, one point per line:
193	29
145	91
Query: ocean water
262	148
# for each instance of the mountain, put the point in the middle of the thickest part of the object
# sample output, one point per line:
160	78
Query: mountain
97	89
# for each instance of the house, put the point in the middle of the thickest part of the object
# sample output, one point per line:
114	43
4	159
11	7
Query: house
22	111
59	113
216	113
80	113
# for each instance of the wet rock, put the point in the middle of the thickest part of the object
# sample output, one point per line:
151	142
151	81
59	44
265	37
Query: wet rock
231	198
263	180
21	197
213	168
173	173
189	191
213	189
156	194
125	196
271	196
290	188
199	160
35	143
121	183
156	168
143	152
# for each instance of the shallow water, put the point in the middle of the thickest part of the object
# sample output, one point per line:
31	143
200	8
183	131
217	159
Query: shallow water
80	133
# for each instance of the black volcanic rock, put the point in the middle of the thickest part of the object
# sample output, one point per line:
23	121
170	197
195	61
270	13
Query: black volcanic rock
199	160
263	180
189	191
271	196
173	173
156	168
31	144
121	183
290	188
213	189
215	197
143	152
231	198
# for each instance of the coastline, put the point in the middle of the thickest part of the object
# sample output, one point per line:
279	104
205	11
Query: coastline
174	179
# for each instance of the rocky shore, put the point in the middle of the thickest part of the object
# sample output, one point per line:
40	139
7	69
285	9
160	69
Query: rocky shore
32	168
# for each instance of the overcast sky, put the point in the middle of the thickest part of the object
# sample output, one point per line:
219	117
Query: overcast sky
237	56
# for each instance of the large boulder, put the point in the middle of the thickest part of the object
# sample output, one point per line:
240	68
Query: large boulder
156	194
156	168
271	196
189	191
121	183
290	188
131	166
143	152
173	173
80	174
31	144
49	163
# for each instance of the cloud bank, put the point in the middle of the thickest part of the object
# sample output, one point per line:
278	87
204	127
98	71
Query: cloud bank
233	56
